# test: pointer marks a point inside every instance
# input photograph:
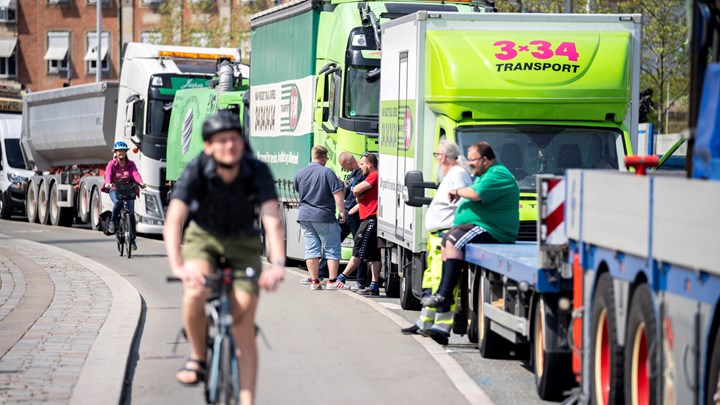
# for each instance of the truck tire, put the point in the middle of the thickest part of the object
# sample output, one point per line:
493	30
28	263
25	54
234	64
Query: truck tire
473	315
642	371
392	279
408	301
31	203
59	216
713	384
84	203
43	201
606	357
95	209
553	371
491	345
5	209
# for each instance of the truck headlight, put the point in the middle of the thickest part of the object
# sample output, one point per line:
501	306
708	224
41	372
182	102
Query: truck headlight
14	178
151	205
359	40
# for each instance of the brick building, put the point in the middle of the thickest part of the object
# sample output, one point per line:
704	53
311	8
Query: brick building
46	44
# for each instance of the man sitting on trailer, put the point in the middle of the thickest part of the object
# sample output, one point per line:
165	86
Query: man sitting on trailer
452	174
488	213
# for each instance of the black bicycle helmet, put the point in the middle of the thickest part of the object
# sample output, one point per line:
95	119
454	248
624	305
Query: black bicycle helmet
222	120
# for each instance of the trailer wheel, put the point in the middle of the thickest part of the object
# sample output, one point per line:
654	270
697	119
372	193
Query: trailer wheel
472	314
42	203
59	216
712	393
95	209
84	203
641	345
606	358
553	371
31	203
491	345
408	301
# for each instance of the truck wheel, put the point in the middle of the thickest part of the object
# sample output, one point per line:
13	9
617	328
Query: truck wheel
59	216
392	280
84	203
553	371
31	203
606	358
491	345
5	209
473	315
641	344
95	209
42	203
407	299
712	393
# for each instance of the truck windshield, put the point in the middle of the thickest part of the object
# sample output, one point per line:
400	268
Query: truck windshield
14	154
362	97
158	119
529	150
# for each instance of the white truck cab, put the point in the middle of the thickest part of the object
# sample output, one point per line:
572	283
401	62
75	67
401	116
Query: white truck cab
12	166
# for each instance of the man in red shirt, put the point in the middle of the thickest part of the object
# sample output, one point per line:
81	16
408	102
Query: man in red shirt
366	247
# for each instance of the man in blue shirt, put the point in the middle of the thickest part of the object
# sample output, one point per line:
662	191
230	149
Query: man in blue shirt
320	193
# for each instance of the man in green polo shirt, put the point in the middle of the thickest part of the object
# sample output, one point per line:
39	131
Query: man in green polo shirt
488	213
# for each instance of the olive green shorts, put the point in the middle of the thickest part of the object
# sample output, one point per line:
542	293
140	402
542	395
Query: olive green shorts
241	252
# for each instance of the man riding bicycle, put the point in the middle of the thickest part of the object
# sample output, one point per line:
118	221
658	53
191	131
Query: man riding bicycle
223	192
121	170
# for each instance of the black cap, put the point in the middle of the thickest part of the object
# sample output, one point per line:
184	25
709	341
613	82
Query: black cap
222	120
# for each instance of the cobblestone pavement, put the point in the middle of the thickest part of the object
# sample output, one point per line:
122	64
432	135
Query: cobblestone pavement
53	309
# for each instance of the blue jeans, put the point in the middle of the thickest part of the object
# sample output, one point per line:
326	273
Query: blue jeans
349	227
116	212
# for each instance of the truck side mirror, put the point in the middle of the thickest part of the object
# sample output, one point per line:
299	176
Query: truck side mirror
414	190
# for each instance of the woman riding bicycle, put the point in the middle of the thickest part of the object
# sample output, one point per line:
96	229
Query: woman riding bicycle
122	170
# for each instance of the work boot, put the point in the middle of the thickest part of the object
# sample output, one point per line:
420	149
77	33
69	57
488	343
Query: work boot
438	337
412	330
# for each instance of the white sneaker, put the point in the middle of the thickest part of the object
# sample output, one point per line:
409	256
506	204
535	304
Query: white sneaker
337	285
315	286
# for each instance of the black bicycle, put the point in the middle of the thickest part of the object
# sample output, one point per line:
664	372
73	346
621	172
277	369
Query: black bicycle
125	192
222	376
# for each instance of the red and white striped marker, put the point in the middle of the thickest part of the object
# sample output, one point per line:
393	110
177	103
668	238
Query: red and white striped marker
552	224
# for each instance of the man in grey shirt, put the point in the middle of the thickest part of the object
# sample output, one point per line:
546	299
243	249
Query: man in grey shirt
321	193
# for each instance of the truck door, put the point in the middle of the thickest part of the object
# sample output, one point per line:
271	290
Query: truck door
403	126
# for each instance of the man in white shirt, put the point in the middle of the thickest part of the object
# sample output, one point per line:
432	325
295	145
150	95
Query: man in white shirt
452	172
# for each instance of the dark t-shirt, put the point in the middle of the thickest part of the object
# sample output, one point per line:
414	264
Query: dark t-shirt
225	209
369	201
354	178
316	185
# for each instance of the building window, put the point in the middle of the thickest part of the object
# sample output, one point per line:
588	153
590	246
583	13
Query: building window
8	57
56	56
151	37
8	11
92	49
8	66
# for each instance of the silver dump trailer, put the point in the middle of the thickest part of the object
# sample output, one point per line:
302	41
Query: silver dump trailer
67	137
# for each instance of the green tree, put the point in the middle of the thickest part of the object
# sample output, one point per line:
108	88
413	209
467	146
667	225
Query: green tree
664	56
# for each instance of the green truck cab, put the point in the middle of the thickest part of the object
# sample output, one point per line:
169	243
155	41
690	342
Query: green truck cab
315	81
548	92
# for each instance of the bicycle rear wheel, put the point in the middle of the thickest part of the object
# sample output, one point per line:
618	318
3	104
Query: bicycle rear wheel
127	233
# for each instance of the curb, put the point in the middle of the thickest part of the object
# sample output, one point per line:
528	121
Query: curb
103	375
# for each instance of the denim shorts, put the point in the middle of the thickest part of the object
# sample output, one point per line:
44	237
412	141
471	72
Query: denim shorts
320	235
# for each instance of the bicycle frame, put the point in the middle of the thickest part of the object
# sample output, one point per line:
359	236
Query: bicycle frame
220	311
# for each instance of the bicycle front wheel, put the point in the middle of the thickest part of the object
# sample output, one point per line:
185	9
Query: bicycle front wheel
222	386
128	234
120	235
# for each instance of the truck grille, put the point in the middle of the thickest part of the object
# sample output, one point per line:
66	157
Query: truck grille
528	231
